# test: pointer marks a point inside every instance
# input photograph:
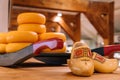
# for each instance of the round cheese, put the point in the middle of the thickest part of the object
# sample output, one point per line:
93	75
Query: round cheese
22	36
13	47
2	48
35	18
3	37
32	27
50	35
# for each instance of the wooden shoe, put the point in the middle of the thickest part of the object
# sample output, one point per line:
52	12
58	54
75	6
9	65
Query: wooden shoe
81	62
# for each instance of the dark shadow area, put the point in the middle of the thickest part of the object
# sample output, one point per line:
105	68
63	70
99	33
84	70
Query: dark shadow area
35	64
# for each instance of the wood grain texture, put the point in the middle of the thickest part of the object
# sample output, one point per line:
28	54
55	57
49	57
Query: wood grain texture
72	31
69	5
35	70
101	15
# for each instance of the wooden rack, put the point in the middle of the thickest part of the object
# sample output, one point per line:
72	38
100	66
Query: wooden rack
99	12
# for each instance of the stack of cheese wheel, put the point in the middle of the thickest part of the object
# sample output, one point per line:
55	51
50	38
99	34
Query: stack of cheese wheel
3	42
36	22
29	26
31	22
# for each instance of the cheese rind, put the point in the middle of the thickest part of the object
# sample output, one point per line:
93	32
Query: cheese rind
32	27
50	35
28	18
2	48
13	47
3	37
47	50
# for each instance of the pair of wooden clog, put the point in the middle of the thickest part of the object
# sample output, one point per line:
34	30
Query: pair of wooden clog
83	62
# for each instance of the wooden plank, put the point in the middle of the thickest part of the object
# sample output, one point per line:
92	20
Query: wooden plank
71	5
36	70
101	15
111	23
77	31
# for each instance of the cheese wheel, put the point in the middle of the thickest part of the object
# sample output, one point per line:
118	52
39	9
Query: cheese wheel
35	18
47	50
32	27
3	37
49	35
22	36
13	47
2	48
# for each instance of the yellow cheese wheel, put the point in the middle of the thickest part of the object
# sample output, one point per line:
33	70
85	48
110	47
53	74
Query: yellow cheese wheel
13	47
2	48
47	50
3	37
49	35
32	27
22	36
26	18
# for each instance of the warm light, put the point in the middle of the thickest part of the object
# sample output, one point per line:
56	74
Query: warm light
57	19
82	41
59	14
102	43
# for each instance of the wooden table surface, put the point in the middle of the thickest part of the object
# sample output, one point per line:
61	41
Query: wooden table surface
35	70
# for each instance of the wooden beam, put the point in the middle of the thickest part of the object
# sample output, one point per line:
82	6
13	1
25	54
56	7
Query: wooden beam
74	34
101	15
77	31
66	28
69	5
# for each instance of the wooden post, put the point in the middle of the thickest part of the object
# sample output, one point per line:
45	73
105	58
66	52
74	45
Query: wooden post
77	32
